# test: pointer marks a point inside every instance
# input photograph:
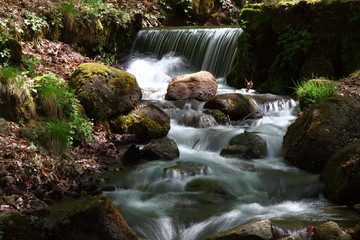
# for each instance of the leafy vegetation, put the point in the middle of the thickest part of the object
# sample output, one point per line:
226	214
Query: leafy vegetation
61	106
309	92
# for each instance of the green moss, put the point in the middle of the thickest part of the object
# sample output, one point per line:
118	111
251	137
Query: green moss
86	72
17	226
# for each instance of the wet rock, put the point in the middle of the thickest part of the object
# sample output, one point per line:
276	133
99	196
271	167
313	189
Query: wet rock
309	142
132	155
342	175
236	106
147	122
161	149
328	231
218	115
245	146
209	185
105	91
17	226
200	86
290	238
95	218
258	230
186	169
357	207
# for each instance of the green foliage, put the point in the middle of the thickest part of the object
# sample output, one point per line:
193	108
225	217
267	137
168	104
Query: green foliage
293	42
35	22
29	63
60	136
309	92
61	106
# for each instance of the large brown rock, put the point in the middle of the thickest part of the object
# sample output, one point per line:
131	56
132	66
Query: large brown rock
200	86
95	219
236	106
342	175
105	91
320	131
258	230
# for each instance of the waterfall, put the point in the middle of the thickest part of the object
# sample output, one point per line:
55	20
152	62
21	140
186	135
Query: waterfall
210	49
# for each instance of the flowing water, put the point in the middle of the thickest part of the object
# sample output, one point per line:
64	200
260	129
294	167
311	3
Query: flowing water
202	193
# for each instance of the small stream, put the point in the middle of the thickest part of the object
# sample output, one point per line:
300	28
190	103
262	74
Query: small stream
202	193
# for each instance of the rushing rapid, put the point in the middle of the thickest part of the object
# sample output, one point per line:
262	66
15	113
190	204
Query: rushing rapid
202	193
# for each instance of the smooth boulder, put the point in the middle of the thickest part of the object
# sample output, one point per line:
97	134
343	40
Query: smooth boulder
95	218
258	230
236	106
342	175
146	122
104	91
245	146
200	86
161	149
320	131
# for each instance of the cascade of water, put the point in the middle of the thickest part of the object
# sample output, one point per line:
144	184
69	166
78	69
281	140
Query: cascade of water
210	49
201	192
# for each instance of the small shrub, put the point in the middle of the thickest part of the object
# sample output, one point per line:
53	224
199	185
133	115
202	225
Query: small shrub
309	92
60	136
61	106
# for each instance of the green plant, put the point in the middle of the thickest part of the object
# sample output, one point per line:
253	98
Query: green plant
60	136
30	62
61	105
293	43
33	21
309	92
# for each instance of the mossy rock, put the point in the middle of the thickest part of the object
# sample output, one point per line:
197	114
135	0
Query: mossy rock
327	231
245	146
320	131
17	226
147	122
187	169
218	115
95	218
105	91
342	175
16	102
258	230
236	106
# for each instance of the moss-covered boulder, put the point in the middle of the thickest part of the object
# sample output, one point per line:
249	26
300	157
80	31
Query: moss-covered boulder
329	231
16	102
17	226
95	219
105	91
342	175
219	116
320	131
236	106
356	235
245	146
258	230
147	122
